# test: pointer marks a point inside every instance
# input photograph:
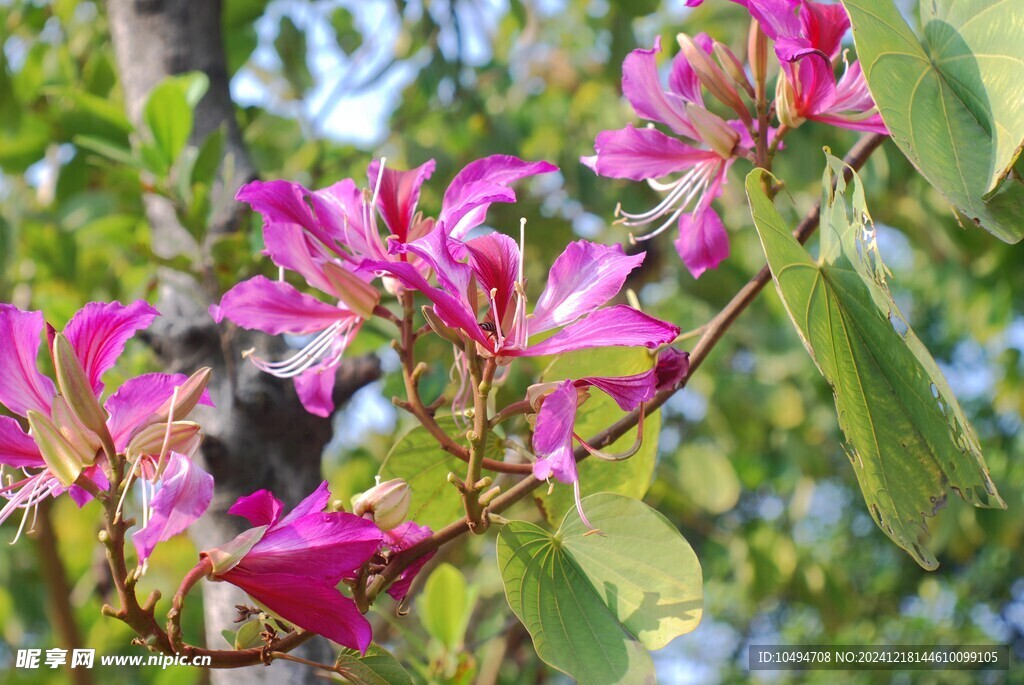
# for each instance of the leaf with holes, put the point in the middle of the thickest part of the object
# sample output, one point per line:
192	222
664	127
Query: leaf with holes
594	604
910	443
377	667
952	98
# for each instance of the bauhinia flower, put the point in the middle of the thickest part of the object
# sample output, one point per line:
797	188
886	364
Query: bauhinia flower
323	235
808	37
71	437
292	564
555	434
400	539
702	159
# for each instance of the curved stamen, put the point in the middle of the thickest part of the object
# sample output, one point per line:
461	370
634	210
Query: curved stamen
308	356
676	189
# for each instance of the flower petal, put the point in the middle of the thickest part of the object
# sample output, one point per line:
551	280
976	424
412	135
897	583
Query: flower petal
22	387
552	438
99	331
618	326
290	246
401	538
185	494
627	391
641	85
138	399
312	605
261	508
286	202
584	277
327	545
642	153
703	242
399	193
673	365
495	261
313	503
275	307
479	184
683	79
17	448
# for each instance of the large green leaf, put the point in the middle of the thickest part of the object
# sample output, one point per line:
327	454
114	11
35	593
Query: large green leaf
594	604
953	98
377	667
910	443
631	477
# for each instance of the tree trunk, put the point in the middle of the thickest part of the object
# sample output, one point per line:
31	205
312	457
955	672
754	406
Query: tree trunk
258	436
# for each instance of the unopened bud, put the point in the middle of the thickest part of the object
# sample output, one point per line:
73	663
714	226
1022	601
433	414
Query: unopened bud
227	556
438	326
60	456
712	77
732	66
354	292
757	53
184	438
713	130
387	504
84	441
188	396
74	385
785	103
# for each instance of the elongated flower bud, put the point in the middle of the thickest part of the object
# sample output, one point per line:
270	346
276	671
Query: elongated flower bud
387	504
785	103
84	441
436	325
188	396
357	294
757	53
712	77
713	130
74	385
60	456
732	66
184	438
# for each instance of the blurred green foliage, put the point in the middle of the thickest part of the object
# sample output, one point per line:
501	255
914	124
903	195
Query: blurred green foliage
750	464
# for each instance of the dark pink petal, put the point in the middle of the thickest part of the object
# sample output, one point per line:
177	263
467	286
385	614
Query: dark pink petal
137	400
289	246
399	193
627	391
552	438
79	495
618	326
495	261
275	307
99	331
313	503
22	387
673	365
17	448
777	17
584	277
319	545
436	249
261	508
823	25
642	153
339	209
852	106
315	388
478	185
683	80
310	604
401	538
641	85
284	202
184	495
702	243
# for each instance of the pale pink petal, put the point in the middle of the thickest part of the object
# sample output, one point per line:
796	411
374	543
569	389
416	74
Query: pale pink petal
642	153
99	331
185	493
275	307
22	387
641	85
479	184
703	242
584	277
290	246
552	437
618	326
17	448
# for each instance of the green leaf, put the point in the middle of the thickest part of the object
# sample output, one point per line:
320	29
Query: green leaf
345	31
631	477
168	113
446	606
910	443
291	48
248	635
418	459
377	667
108	149
951	98
594	604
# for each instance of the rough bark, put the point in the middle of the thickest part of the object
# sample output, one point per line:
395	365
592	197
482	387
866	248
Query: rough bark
258	436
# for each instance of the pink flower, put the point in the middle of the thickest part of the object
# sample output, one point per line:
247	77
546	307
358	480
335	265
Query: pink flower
400	539
324	235
292	564
96	335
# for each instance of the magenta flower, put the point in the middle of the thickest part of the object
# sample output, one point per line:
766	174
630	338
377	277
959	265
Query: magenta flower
400	539
808	37
292	564
701	160
96	335
323	235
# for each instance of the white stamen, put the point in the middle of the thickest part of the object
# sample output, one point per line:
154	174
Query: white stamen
309	355
380	177
522	245
280	274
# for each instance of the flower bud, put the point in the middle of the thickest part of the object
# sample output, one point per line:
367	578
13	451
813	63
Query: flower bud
354	292
438	326
387	503
785	103
732	66
84	441
712	77
713	130
74	385
63	460
184	438
757	53
188	396
227	556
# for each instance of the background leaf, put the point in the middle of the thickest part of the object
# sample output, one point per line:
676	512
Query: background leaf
446	605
